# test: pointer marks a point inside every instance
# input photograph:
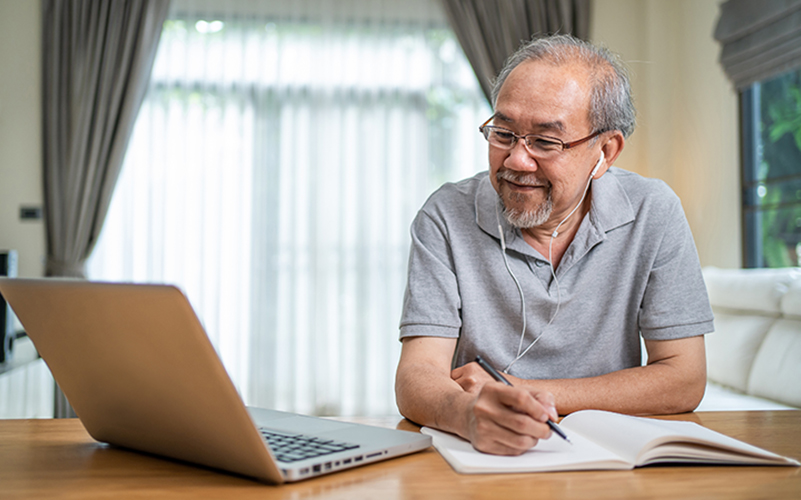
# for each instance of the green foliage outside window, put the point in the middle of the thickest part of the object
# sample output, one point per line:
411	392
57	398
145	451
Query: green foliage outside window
774	184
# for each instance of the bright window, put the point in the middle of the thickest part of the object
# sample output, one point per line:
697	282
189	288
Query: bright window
274	171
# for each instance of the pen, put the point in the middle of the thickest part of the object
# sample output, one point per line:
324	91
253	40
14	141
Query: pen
500	378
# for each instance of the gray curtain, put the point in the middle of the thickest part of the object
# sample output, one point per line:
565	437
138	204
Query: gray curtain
759	38
490	31
96	61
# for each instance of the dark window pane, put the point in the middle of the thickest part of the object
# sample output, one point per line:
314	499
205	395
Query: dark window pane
780	126
771	128
779	233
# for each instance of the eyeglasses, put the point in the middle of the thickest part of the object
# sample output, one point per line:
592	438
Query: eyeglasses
536	145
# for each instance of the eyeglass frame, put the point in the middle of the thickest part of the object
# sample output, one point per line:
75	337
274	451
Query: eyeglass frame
565	145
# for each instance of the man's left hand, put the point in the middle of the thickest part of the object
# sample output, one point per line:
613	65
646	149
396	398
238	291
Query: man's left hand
471	377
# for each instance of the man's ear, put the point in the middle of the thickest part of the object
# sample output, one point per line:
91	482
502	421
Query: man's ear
612	147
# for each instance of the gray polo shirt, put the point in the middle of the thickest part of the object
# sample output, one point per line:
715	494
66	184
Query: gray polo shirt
632	269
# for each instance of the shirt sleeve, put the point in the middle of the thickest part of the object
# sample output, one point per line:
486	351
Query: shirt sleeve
431	304
675	303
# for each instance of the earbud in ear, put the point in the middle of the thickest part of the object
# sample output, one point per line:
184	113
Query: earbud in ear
597	165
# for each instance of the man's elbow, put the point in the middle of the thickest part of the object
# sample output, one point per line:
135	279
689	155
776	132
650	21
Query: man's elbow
400	394
692	397
689	394
408	404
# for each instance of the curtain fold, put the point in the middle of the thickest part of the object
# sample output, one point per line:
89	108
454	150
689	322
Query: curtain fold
96	62
759	39
490	32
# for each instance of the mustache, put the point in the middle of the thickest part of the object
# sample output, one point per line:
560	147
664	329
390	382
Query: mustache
522	179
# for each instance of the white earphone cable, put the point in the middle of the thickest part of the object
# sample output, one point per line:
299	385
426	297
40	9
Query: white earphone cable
553	272
514	278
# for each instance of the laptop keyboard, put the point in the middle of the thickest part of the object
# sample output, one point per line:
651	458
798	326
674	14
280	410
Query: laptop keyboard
294	447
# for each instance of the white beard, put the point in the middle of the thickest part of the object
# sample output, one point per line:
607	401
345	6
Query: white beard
528	218
524	219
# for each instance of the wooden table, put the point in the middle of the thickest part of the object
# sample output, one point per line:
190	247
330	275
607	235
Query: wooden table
58	459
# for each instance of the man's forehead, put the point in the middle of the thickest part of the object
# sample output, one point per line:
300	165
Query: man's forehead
545	96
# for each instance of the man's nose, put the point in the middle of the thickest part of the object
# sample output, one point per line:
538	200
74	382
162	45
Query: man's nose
520	159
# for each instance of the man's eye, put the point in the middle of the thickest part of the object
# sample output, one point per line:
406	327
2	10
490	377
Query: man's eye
503	136
543	143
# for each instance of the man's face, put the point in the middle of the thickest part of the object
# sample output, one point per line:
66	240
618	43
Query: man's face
541	98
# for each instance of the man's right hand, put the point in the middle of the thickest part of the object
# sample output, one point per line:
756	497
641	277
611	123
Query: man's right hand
496	418
505	420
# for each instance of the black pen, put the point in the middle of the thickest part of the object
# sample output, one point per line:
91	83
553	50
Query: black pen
500	378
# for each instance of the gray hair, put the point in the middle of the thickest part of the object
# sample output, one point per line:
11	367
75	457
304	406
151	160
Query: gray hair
611	104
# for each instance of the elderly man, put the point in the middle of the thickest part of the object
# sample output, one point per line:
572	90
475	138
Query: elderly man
551	266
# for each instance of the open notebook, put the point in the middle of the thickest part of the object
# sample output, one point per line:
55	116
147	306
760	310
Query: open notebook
605	440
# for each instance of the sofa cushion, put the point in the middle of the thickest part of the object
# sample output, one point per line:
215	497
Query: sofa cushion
776	371
731	349
746	303
756	346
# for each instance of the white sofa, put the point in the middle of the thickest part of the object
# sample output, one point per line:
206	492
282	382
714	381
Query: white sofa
754	355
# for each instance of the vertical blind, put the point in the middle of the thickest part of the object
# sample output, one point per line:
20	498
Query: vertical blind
274	170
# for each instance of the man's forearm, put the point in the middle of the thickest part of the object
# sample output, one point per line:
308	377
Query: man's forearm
652	389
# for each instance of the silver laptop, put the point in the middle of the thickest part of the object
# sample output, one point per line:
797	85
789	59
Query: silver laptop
140	372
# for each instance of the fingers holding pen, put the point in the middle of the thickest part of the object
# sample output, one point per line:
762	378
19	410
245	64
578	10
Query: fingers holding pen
548	402
507	420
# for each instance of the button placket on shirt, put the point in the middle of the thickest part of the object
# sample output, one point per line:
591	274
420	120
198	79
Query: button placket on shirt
541	269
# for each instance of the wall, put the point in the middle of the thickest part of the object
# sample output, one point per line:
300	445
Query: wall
20	134
687	132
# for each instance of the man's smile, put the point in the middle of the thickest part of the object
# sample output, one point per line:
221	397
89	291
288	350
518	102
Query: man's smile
523	187
521	182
